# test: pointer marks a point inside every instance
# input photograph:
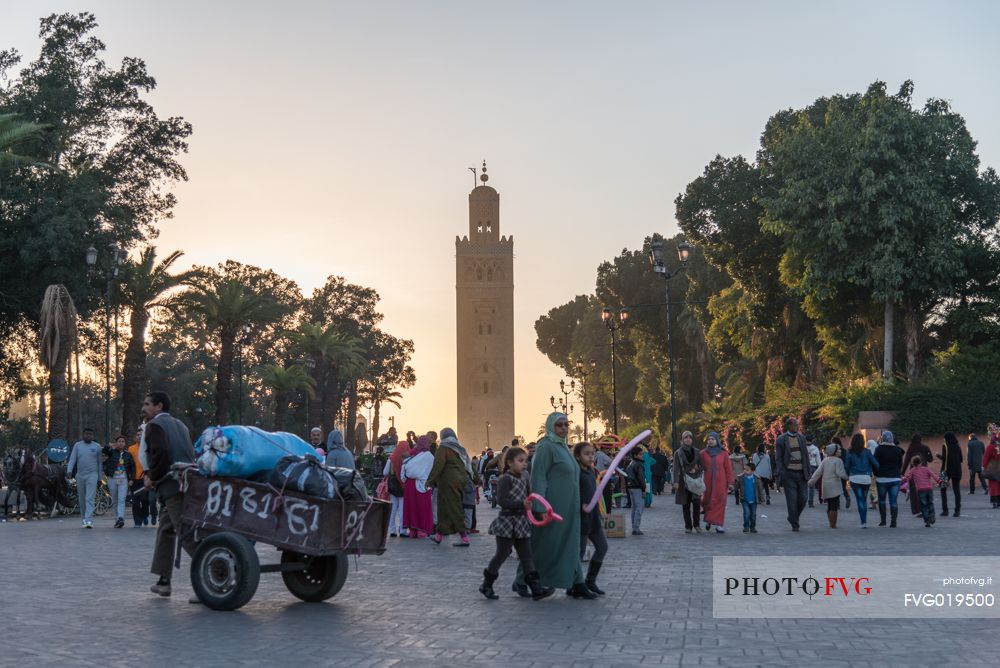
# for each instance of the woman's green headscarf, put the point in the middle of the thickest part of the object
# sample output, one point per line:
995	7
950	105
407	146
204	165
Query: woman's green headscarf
550	427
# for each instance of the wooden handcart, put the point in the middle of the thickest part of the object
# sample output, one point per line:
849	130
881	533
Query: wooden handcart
226	516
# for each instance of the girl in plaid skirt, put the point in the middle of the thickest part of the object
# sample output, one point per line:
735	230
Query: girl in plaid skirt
511	527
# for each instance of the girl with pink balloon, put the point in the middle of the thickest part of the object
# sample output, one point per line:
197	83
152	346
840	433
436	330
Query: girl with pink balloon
512	527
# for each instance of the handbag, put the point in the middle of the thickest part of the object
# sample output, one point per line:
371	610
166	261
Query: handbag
694	477
394	484
382	490
992	470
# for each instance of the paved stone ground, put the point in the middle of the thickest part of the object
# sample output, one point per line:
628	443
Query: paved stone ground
80	598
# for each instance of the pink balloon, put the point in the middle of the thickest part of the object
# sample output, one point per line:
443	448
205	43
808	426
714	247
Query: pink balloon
614	465
550	514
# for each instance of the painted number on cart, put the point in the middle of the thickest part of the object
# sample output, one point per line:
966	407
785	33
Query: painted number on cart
302	516
250	503
215	504
353	520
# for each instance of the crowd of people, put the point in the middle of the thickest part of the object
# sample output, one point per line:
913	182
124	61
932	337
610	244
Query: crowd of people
434	487
871	472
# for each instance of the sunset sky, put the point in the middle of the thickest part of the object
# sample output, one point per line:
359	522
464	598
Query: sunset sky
337	139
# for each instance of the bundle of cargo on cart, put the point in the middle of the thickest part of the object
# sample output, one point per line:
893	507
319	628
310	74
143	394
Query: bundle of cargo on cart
250	486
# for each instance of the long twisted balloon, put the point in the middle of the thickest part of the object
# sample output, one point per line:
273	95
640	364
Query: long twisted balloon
614	465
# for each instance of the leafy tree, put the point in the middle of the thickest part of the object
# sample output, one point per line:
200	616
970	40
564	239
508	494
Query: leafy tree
146	285
180	362
114	157
350	308
884	197
575	331
388	371
721	214
113	160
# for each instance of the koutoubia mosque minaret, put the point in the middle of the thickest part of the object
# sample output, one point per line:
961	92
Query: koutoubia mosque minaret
484	286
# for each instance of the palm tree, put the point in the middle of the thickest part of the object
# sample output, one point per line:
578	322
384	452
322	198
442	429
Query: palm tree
226	308
351	364
57	337
373	392
12	133
336	359
146	285
285	381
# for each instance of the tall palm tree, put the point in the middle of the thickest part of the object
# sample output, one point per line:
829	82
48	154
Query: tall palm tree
226	307
336	358
351	363
146	284
56	338
285	381
372	391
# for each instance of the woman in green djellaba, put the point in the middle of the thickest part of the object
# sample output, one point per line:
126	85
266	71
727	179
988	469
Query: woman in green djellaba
555	476
452	469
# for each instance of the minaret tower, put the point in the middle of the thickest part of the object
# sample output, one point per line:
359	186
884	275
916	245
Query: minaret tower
484	282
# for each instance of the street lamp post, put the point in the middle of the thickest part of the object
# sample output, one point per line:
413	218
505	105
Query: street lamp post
572	389
583	372
613	324
487	434
656	259
117	258
561	405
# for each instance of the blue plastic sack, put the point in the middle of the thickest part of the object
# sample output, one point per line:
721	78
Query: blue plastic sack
241	452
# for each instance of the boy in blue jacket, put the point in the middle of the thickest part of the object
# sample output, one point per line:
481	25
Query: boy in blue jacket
751	488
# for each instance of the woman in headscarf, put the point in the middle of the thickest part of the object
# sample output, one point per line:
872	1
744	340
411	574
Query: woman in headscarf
718	481
336	453
418	516
687	464
555	476
393	470
917	448
452	470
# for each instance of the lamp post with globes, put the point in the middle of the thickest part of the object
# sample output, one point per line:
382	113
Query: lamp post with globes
118	256
583	371
565	393
656	259
560	405
614	321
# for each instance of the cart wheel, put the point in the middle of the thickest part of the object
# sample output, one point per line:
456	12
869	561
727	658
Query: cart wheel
225	571
322	578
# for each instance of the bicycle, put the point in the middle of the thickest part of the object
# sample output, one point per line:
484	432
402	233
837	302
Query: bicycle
102	499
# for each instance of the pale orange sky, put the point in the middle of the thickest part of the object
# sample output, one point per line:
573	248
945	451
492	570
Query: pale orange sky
337	139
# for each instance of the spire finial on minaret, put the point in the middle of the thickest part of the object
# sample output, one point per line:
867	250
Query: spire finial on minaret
484	177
